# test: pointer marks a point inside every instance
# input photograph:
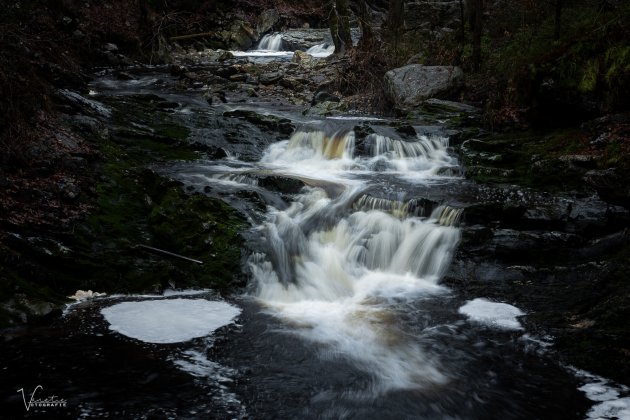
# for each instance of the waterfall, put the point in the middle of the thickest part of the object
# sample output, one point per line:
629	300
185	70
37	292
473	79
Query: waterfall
271	42
337	263
400	209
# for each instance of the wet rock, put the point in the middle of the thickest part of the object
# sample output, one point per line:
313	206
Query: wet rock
268	123
270	78
324	97
214	98
281	184
557	169
241	36
303	39
90	125
326	108
303	59
407	87
440	105
167	105
611	185
124	76
239	77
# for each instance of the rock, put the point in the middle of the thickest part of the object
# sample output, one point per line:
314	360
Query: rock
270	78
302	58
238	77
440	105
110	47
167	105
267	123
214	98
281	184
326	108
241	35
303	39
325	97
90	125
611	186
267	20
407	87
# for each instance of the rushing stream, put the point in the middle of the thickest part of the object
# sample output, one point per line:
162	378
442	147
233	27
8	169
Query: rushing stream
344	315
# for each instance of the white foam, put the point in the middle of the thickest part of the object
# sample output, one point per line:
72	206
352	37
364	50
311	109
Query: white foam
262	53
607	394
321	50
495	314
170	320
613	409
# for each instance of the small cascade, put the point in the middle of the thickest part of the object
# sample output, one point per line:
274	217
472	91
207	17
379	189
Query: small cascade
235	178
422	158
447	216
271	42
428	147
399	209
321	50
312	145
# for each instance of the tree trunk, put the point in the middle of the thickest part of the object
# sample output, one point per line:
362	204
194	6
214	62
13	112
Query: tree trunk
367	37
462	32
557	19
395	21
477	30
339	23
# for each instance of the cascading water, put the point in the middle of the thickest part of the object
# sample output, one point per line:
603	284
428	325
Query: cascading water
271	42
321	50
337	264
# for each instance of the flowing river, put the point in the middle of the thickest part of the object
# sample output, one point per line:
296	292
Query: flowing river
344	316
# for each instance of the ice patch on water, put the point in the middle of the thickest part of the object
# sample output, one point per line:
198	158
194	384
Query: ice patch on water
169	320
494	314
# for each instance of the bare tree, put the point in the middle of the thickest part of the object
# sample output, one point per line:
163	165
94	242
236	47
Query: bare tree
339	23
476	24
557	19
395	21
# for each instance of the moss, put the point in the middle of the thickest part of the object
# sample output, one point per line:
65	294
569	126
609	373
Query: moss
527	158
133	205
588	83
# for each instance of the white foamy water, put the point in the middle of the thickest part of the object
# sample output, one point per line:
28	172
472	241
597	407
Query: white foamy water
263	54
321	50
324	155
612	399
169	320
335	270
494	314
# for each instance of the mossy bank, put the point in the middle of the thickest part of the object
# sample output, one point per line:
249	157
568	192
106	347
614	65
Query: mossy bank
130	206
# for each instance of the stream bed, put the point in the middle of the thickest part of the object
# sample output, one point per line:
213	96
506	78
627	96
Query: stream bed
353	226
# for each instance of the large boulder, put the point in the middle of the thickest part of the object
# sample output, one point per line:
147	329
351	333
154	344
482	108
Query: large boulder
267	20
408	86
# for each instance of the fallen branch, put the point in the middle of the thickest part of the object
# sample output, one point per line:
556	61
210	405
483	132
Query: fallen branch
170	254
190	36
